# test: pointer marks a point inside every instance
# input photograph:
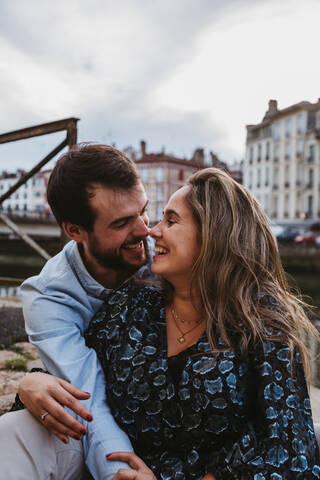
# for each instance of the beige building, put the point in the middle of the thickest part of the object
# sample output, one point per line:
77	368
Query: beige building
162	175
282	164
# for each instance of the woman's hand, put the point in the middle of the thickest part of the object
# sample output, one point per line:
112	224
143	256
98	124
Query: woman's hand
139	471
43	393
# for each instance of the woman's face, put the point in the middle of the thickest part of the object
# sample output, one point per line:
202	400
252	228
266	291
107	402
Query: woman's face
177	246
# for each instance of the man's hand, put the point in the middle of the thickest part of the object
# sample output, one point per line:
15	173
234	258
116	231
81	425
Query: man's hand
43	393
139	471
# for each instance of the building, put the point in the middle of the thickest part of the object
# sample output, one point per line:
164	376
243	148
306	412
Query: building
162	175
282	165
30	198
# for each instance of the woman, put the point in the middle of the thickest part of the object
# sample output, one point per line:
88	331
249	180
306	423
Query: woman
207	376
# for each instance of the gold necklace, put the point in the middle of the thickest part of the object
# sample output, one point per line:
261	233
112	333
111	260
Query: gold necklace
182	320
183	334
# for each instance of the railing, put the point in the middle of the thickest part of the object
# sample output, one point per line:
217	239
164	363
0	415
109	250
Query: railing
70	126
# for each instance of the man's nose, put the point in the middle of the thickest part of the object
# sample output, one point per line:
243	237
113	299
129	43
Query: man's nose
141	228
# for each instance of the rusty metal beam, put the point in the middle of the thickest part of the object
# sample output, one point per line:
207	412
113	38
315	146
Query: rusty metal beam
32	172
69	124
24	237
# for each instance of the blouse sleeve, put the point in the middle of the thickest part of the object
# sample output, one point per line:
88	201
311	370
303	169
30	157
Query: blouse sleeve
279	442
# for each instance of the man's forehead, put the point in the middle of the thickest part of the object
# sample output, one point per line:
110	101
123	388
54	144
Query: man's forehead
118	203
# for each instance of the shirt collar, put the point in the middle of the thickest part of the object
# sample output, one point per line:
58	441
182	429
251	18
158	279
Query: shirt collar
90	285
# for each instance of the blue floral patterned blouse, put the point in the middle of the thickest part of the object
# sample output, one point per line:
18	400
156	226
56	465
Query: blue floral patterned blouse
239	418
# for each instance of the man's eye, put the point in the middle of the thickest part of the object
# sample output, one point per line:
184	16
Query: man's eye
170	222
121	225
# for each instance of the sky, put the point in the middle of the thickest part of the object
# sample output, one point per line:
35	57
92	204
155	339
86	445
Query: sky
180	74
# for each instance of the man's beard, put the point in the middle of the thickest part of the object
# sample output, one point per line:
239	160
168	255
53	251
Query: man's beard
112	259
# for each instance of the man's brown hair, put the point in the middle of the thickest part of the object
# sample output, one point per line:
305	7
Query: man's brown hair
78	169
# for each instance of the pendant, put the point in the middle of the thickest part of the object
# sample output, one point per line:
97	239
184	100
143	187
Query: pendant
181	339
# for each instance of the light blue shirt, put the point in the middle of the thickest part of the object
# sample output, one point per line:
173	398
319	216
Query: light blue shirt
58	305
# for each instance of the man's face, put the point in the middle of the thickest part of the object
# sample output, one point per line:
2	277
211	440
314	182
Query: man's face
117	241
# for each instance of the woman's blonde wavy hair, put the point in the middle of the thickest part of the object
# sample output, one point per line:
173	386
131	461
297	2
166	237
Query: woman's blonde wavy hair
238	263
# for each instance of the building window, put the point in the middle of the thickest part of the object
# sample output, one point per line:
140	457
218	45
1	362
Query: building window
288	127
311	156
250	179
145	175
181	175
159	212
267	176
300	174
25	207
310	178
267	150
159	175
276	177
251	155
266	203
288	151
310	206
287	175
276	131
300	147
259	178
259	152
301	124
160	193
275	207
276	153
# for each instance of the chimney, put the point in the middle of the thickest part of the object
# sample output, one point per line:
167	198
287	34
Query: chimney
272	110
273	107
143	148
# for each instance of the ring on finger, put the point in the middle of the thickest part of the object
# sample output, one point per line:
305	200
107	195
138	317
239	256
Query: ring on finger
43	416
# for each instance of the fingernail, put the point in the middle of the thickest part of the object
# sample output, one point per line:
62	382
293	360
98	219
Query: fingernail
83	431
108	455
65	440
77	437
89	418
88	393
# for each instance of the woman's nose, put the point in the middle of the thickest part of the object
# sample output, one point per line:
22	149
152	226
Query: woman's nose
155	232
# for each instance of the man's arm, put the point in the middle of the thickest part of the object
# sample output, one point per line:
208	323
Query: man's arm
55	323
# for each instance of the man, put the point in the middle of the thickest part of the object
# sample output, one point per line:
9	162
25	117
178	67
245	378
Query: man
98	199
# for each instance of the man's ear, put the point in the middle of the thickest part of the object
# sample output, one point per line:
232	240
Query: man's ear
73	231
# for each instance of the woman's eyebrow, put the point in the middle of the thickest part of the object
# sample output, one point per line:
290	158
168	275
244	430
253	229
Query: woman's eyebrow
170	211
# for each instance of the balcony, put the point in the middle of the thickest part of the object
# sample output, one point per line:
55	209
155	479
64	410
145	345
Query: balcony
267	158
298	183
275	187
258	185
266	184
311	159
286	184
309	185
299	154
287	156
286	214
276	159
259	159
250	161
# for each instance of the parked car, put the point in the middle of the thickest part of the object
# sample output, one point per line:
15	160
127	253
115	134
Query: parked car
308	237
289	235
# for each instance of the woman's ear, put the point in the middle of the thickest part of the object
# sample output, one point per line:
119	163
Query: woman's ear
73	231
